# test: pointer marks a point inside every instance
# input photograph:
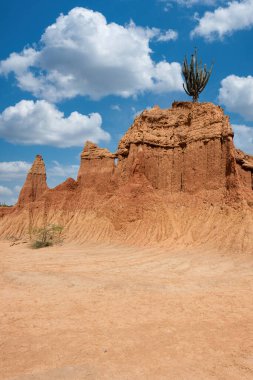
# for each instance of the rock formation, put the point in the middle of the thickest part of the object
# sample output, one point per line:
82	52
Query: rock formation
185	149
245	169
178	180
35	184
97	166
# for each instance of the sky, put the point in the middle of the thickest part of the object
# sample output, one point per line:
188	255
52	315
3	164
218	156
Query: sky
72	71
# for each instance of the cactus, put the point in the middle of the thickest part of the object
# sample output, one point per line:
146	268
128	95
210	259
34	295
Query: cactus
196	76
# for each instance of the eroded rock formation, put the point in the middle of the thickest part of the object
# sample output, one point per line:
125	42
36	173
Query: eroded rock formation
245	169
178	179
188	148
96	167
35	184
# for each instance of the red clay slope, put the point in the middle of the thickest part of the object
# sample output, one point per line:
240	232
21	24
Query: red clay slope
178	180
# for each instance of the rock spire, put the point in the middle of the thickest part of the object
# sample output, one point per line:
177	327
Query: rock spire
35	184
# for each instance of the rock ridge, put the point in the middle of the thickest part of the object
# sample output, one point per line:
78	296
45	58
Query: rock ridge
176	178
183	124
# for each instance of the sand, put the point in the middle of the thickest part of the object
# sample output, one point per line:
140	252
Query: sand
115	312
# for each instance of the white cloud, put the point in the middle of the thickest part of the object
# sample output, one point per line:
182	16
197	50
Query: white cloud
57	172
115	107
60	170
243	138
238	15
41	123
169	35
236	93
164	76
5	191
167	5
18	63
82	54
187	3
13	170
7	196
17	189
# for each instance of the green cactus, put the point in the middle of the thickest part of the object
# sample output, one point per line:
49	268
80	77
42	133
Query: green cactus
196	76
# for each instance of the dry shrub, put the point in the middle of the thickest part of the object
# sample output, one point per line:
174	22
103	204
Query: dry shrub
47	236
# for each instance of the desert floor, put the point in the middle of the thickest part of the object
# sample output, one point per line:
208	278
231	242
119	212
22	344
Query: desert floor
112	312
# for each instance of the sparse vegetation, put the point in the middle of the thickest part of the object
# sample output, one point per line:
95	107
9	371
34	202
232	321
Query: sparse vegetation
47	236
3	204
196	76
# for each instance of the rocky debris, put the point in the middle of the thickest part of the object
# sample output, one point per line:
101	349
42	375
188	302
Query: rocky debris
35	184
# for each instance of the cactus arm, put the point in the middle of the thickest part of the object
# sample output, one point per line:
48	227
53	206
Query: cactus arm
196	76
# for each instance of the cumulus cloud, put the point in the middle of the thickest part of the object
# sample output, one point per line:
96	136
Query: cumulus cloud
39	122
7	195
238	15
13	170
187	3
169	35
243	138
164	76
236	93
82	54
5	191
60	170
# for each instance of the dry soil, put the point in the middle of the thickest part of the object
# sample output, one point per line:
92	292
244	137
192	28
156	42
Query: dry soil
114	312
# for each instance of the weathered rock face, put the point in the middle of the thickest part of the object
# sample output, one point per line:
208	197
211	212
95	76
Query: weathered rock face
184	149
96	168
35	184
245	169
178	180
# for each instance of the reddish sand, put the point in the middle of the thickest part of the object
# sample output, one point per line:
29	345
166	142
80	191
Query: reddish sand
114	312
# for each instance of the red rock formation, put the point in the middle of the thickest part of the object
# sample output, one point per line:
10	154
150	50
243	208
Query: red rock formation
184	149
179	180
69	185
245	169
96	168
35	184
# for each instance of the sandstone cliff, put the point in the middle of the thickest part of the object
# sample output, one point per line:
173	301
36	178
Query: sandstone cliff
177	180
245	170
35	184
188	148
96	168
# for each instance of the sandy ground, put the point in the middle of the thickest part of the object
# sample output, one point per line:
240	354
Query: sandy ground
109	312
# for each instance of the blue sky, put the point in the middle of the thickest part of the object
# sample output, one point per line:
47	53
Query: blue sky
77	70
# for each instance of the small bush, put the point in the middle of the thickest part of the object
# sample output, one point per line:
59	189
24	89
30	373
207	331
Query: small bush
40	244
47	236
